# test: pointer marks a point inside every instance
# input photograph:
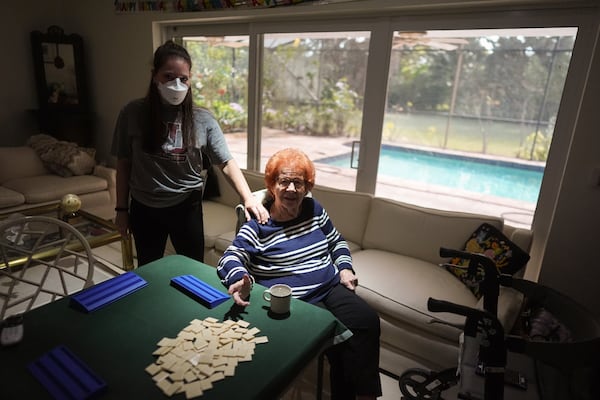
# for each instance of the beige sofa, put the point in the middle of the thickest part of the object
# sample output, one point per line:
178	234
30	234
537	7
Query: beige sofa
25	183
395	250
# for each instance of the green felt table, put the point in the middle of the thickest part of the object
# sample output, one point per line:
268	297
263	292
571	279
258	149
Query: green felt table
117	341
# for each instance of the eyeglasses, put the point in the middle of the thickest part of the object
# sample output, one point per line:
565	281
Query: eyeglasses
286	182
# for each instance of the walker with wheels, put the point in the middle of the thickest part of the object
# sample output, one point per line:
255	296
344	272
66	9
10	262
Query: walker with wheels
495	366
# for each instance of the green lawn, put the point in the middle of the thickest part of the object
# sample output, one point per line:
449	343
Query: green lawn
503	138
494	138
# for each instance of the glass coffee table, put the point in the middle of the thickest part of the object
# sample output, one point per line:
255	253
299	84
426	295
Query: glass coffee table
97	231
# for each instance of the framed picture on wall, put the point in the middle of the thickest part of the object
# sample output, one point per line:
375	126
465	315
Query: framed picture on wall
59	70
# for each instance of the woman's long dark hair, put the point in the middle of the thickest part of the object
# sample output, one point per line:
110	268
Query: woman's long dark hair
157	134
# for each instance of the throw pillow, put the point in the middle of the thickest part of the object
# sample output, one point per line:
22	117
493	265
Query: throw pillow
491	242
58	169
63	158
82	161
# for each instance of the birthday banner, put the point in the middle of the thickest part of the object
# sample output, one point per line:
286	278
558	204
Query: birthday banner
125	6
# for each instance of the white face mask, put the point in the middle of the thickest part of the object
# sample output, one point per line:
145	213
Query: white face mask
173	92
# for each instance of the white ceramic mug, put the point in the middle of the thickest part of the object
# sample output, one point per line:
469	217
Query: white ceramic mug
279	295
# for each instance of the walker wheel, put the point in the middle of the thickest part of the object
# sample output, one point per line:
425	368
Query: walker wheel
413	385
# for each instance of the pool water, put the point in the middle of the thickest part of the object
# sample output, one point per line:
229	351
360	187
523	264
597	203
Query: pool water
492	177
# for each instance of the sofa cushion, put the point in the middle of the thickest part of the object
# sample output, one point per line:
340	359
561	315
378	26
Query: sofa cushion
19	162
348	210
9	198
419	232
399	286
354	247
218	219
39	189
510	302
256	180
519	236
223	241
489	241
227	194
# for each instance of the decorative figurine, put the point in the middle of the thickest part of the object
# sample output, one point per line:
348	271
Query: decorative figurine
69	207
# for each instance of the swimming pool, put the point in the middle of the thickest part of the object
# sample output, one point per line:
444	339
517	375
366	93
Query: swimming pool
494	177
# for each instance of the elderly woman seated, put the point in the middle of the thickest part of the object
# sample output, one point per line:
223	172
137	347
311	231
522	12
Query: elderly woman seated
300	247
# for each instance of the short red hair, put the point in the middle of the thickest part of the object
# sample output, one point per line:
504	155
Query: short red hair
289	158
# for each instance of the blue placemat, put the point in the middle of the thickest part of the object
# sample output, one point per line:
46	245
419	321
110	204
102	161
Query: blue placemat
65	376
107	292
200	290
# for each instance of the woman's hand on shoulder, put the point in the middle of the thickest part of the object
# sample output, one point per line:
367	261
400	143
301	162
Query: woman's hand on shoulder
253	207
240	291
348	279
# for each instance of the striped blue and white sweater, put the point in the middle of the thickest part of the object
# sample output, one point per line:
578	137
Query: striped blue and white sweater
305	253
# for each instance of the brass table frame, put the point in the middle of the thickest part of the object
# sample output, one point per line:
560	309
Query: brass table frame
111	236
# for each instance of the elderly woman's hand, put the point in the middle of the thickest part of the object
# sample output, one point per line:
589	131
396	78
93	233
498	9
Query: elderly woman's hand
348	279
240	291
252	205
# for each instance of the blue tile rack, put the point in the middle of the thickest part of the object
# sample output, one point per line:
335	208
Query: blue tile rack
107	292
65	376
200	290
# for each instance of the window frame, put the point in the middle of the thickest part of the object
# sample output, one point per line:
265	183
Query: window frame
382	23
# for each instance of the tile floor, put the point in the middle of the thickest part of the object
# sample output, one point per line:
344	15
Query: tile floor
303	388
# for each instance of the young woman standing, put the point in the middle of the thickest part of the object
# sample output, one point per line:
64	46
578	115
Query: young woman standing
159	142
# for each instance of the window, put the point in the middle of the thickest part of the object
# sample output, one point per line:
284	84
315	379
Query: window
470	115
220	84
466	123
313	87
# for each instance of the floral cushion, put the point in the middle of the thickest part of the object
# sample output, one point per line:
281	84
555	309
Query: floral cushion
491	242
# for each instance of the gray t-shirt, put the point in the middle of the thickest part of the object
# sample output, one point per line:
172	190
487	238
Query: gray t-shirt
168	177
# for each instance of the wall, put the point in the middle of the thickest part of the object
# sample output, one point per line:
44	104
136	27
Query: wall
118	55
17	90
119	58
571	264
